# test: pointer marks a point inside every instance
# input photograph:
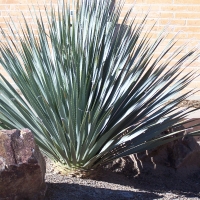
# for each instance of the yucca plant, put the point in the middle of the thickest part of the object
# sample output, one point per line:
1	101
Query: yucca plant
92	91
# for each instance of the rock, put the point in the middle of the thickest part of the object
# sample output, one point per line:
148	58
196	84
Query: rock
180	157
127	165
193	123
22	166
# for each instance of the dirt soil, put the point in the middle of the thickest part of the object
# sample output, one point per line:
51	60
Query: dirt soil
119	186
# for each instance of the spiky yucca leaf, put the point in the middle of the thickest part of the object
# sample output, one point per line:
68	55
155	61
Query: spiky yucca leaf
91	90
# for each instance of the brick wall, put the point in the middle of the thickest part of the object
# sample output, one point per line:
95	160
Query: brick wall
181	15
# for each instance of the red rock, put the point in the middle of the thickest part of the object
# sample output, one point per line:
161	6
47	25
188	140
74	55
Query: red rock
22	166
179	157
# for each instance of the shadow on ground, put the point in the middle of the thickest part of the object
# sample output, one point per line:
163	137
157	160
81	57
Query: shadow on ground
66	191
166	183
147	186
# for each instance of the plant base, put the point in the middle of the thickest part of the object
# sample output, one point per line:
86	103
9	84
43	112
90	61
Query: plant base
79	173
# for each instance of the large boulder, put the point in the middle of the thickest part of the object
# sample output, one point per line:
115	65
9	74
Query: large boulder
22	166
180	157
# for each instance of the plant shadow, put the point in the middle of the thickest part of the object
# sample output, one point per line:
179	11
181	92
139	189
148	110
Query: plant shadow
166	182
71	191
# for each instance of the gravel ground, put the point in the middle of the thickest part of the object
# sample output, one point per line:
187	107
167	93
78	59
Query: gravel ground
114	186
